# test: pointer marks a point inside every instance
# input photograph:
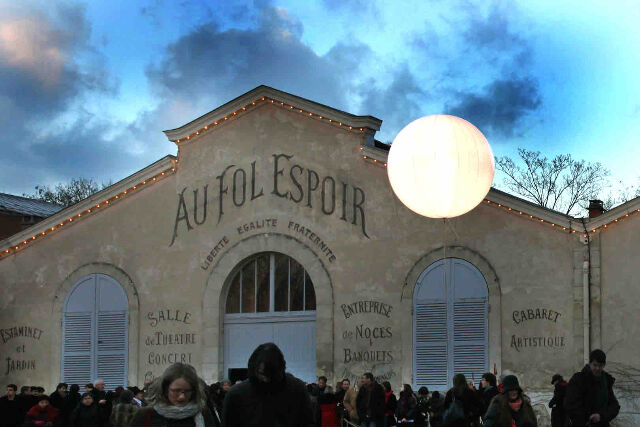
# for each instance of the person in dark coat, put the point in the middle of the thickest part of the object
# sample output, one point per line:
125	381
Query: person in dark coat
101	399
11	412
487	391
124	410
436	408
58	396
270	397
345	384
589	396
511	407
177	398
423	402
461	392
390	405
370	402
71	400
87	413
558	418
406	410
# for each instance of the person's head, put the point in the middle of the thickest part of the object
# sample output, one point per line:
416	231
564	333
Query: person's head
322	381
25	389
345	384
137	393
435	395
267	365
360	382
488	379
459	383
126	396
597	361
35	390
88	387
40	390
367	379
557	378
11	390
99	385
86	399
387	386
423	391
118	391
75	388
62	388
225	385
43	401
407	390
178	386
511	387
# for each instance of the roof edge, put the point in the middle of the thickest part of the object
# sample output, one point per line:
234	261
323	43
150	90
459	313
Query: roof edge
114	192
240	103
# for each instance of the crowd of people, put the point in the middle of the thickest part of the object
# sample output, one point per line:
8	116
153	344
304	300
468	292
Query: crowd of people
271	397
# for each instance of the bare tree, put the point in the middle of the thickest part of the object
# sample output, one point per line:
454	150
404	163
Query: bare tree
67	194
561	183
619	193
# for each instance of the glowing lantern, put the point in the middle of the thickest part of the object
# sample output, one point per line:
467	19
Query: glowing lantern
440	166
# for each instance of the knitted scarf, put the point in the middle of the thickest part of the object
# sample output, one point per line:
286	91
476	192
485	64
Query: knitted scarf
181	412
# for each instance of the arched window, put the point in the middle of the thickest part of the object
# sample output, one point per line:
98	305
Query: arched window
450	322
270	282
270	298
95	332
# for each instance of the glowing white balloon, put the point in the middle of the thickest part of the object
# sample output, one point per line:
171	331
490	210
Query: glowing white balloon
440	166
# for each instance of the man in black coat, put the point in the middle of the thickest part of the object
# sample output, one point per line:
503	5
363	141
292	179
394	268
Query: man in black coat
370	402
11	409
558	418
590	395
270	397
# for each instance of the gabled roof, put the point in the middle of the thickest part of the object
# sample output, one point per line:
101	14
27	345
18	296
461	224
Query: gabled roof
265	94
12	204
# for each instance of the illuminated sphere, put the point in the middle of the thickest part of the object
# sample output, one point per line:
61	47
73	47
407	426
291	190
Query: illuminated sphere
440	166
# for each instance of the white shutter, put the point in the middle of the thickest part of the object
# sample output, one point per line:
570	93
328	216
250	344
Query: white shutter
112	349
430	345
76	348
470	337
95	332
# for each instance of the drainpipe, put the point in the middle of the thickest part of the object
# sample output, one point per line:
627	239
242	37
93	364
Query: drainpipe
586	296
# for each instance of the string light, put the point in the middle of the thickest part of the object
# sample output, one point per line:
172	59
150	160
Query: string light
104	204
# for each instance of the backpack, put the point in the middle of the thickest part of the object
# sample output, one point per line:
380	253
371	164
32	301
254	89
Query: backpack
454	413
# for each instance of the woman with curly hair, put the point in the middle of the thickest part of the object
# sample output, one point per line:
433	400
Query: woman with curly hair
177	398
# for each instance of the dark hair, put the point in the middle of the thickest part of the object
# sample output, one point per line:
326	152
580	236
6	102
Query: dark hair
270	355
24	388
65	385
436	394
34	388
423	390
85	394
13	386
406	388
346	379
387	386
598	355
40	389
368	375
490	378
126	396
89	385
322	377
459	384
310	388
74	388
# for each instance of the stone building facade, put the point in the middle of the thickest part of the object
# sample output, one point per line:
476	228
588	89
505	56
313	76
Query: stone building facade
276	222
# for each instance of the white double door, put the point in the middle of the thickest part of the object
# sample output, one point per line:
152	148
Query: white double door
295	335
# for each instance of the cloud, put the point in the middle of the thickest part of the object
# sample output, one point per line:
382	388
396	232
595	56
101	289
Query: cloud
500	107
44	83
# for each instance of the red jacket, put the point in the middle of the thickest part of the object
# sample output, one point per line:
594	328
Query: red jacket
38	416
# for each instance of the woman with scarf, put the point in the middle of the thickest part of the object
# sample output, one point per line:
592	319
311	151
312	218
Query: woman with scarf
390	405
511	407
406	406
42	414
177	398
87	413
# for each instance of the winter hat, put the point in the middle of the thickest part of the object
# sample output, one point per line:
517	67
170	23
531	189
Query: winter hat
126	396
556	377
509	383
42	397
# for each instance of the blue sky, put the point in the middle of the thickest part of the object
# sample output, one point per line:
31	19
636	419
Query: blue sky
86	88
